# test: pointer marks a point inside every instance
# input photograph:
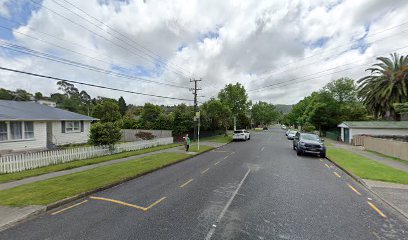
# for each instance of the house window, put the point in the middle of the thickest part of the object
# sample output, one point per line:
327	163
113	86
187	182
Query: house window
28	130
73	126
3	131
16	130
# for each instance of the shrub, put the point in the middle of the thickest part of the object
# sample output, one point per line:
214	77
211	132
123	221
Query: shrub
107	133
145	135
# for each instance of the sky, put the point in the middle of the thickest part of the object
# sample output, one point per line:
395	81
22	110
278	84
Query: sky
281	51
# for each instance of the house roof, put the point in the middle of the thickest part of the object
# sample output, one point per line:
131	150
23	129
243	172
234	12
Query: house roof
375	124
19	110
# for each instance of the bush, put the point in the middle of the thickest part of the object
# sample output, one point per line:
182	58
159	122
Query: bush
107	133
145	135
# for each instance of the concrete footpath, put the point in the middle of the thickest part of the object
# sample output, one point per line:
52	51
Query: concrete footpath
10	216
394	194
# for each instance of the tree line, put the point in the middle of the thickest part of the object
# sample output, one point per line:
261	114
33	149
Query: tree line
381	95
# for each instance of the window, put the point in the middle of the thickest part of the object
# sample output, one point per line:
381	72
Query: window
16	130
73	126
3	131
28	130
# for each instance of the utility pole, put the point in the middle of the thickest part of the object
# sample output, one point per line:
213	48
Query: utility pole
195	90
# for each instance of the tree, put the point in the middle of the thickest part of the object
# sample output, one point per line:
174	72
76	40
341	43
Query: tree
216	115
401	108
107	111
387	84
183	119
5	94
149	115
69	89
122	106
264	113
343	90
38	96
104	133
235	97
22	95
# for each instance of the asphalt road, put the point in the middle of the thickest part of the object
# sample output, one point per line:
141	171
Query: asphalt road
257	189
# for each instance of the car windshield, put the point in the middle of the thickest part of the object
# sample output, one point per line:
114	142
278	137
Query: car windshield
293	132
238	131
309	137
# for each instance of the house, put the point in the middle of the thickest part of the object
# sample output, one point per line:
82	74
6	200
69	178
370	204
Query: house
34	126
349	129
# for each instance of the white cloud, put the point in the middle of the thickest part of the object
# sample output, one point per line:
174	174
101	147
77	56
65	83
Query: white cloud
256	43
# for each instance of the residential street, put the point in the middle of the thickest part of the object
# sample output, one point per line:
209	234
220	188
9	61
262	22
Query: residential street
259	189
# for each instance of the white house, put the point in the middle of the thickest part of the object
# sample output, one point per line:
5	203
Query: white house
34	126
351	128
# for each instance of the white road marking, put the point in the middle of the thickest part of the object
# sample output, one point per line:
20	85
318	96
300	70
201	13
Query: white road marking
212	230
262	149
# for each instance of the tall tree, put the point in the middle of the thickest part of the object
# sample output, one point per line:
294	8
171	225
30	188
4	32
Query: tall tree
342	90
107	111
235	97
183	119
38	96
387	84
5	94
149	115
264	113
122	106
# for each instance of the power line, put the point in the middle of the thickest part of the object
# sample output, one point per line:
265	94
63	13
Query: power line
268	86
114	30
99	35
90	85
53	58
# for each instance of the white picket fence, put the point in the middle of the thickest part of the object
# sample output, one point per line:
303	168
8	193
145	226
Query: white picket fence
26	161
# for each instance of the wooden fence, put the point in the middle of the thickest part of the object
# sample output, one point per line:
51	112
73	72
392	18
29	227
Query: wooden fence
26	161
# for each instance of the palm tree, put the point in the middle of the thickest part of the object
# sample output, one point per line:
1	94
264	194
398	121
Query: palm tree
385	86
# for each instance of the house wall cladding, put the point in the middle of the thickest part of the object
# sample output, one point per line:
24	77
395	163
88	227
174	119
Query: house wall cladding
26	161
60	138
39	142
374	131
128	135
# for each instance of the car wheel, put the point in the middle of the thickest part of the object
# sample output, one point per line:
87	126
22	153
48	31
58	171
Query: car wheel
294	147
298	152
322	154
245	138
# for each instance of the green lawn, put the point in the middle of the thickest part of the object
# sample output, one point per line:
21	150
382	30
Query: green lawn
219	139
366	168
55	189
194	148
79	163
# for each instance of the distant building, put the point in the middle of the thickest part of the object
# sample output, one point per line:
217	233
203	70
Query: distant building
34	126
349	129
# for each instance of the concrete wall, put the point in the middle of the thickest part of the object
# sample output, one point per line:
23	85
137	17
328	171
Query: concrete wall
39	142
388	147
128	135
373	132
60	138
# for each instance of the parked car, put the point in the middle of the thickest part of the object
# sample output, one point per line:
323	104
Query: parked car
241	135
287	132
265	128
291	134
284	127
309	143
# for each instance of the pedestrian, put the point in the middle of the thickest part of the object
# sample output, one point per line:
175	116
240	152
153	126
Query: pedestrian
187	142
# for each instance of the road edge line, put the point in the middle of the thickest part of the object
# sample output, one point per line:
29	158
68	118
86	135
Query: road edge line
359	180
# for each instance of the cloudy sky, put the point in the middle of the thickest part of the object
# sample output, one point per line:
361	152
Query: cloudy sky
281	51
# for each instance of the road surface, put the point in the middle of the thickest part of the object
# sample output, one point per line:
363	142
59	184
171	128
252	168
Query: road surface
257	189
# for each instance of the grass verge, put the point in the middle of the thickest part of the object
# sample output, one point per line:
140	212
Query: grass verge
55	189
366	168
220	139
79	163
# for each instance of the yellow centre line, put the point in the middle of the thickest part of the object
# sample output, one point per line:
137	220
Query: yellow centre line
64	209
217	163
354	190
337	175
155	203
327	166
205	171
226	157
184	184
321	160
376	209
